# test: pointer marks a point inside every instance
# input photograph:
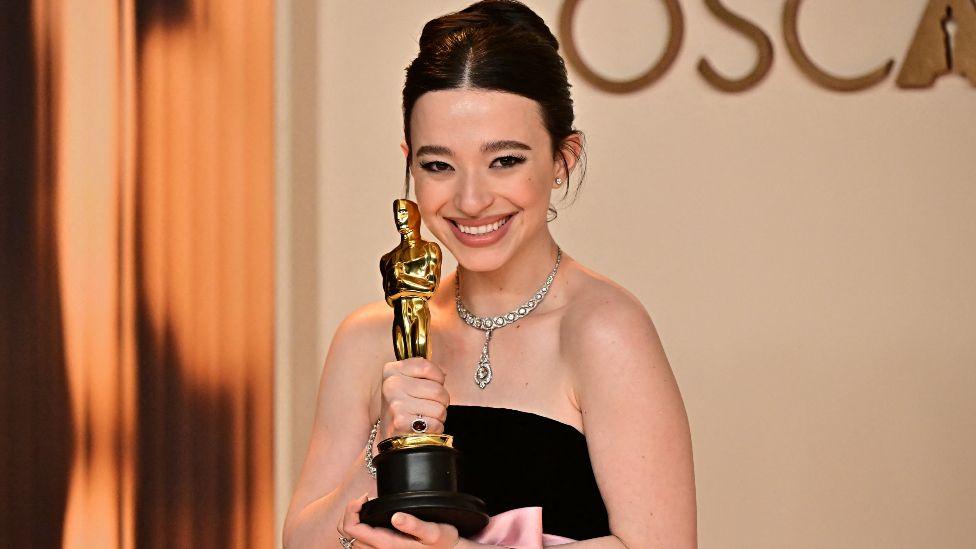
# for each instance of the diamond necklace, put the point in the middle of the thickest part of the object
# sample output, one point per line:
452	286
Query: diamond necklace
482	375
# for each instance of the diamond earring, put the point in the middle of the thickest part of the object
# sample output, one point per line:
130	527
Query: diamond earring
559	182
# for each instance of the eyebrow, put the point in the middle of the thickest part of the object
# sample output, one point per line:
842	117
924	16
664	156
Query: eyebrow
491	146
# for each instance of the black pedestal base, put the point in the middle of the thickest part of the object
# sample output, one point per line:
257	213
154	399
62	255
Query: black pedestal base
464	512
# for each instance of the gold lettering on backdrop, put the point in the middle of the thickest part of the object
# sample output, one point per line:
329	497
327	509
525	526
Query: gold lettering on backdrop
944	42
815	73
756	35
675	37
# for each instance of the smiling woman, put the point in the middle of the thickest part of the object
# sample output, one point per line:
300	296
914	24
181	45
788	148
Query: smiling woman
573	429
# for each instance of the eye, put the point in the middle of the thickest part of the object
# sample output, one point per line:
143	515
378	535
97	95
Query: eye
508	161
435	166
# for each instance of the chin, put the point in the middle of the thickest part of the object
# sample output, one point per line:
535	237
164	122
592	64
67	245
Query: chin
480	260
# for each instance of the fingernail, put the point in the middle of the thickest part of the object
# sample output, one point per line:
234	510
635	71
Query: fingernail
398	518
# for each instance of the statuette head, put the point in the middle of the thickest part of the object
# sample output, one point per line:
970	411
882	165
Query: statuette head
407	215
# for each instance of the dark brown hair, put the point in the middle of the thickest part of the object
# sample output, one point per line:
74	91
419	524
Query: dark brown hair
497	45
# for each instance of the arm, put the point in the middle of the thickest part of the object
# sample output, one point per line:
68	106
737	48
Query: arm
333	472
413	282
430	265
635	423
397	279
434	272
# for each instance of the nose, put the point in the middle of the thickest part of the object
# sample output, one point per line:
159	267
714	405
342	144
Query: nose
473	196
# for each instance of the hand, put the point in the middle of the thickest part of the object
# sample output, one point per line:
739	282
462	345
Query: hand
419	533
413	387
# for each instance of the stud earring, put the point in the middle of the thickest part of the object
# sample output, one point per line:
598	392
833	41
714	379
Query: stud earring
559	182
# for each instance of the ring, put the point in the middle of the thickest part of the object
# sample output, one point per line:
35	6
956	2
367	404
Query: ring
346	542
419	425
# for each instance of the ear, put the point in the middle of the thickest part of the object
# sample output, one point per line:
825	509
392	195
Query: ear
403	147
569	150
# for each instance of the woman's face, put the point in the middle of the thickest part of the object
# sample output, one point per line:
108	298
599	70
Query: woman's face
483	171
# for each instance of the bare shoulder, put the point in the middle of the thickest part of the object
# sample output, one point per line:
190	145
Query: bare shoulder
358	347
607	330
602	312
364	323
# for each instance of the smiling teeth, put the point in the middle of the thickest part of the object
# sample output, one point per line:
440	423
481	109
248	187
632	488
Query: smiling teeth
483	229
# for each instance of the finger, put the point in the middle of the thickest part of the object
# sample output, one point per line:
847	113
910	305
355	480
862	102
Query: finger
405	387
359	543
351	527
434	426
403	424
400	387
366	537
422	368
404	410
403	396
426	408
351	515
416	367
425	389
407	406
377	537
427	533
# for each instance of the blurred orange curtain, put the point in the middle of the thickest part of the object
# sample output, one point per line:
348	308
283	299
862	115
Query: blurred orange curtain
136	315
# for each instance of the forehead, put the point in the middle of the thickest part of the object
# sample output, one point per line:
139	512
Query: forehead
463	118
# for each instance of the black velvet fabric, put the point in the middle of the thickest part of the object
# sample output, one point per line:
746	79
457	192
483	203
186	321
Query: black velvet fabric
513	459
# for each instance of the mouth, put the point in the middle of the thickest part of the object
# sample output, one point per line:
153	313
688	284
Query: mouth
481	232
483	228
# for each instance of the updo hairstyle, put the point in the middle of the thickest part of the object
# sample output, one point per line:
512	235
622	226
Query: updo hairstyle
499	45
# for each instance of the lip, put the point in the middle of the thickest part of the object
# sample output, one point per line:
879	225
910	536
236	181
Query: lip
481	240
479	222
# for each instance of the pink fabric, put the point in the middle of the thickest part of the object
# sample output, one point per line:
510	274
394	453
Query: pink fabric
519	529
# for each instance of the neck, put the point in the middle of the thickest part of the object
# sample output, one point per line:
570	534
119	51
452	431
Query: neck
498	292
409	236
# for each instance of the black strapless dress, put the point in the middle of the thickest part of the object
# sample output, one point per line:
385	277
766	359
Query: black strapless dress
513	459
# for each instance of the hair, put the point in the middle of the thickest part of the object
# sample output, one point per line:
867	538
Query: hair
499	45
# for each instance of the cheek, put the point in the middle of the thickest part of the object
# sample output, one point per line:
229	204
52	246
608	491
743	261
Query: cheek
533	192
430	200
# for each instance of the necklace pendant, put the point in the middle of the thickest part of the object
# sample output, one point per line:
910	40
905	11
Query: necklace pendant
482	375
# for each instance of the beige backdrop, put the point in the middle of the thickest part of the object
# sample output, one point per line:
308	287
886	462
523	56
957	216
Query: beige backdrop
806	255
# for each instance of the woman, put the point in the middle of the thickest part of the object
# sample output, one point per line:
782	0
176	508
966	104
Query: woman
577	381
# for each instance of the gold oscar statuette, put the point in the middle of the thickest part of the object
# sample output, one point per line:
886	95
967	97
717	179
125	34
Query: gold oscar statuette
417	473
411	272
